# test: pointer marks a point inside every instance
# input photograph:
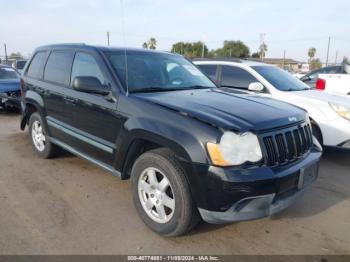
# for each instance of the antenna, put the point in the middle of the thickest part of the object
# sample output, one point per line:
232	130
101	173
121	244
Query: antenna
125	56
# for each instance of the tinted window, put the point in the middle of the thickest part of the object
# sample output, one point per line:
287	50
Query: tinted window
86	65
37	65
236	77
58	67
280	79
209	70
20	64
8	73
161	71
325	70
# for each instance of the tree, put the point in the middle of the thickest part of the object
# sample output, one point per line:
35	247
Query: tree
315	64
15	55
256	55
233	49
311	53
262	50
150	44
194	49
346	60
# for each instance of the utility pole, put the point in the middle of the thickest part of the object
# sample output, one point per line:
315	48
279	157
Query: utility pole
108	38
329	42
336	57
284	57
5	54
262	52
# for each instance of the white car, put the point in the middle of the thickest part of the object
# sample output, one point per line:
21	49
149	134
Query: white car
329	113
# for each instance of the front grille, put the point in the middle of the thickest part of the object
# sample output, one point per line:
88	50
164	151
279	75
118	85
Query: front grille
286	145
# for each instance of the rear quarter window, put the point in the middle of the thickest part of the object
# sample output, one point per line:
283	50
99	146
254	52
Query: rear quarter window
37	64
58	67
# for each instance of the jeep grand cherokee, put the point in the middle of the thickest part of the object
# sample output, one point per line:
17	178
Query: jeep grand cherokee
190	150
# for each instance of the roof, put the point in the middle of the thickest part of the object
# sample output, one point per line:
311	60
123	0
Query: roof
101	48
229	60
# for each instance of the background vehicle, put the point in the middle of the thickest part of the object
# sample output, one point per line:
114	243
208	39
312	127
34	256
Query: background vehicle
334	79
330	113
9	88
19	65
190	149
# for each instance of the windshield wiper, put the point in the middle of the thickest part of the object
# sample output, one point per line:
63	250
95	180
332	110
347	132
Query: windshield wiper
291	89
165	89
197	87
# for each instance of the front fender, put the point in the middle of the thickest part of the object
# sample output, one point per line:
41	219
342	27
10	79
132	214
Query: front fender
184	141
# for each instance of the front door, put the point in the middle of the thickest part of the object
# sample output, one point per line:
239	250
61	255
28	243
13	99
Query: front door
96	123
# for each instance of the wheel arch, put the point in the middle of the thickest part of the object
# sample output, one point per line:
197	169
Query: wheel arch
140	142
316	125
32	102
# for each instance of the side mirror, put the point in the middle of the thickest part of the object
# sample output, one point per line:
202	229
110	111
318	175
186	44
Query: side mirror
89	84
305	79
256	87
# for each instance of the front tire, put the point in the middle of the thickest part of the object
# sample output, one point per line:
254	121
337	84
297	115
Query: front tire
161	193
39	139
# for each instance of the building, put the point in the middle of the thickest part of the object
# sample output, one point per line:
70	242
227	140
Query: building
286	63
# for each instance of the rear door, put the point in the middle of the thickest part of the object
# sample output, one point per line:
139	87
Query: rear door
57	79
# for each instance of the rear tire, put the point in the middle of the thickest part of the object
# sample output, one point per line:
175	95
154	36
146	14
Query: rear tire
168	210
40	141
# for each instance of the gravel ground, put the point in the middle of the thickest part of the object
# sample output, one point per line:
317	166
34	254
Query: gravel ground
68	206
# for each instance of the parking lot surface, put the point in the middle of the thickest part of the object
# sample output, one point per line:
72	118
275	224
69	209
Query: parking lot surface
68	206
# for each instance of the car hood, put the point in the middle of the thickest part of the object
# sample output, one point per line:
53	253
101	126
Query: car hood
9	85
227	110
324	96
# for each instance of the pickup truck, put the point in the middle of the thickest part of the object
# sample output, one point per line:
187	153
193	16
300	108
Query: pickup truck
333	79
334	83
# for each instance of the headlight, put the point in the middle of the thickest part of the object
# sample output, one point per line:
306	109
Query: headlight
235	149
341	110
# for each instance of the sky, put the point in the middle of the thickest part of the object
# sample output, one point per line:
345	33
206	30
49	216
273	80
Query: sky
293	25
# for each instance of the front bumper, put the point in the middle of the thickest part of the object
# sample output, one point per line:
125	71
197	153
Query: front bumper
245	194
336	133
12	99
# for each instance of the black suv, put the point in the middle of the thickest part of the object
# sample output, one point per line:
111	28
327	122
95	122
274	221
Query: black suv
191	150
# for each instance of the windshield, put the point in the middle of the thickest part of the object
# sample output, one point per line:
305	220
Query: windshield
280	79
7	73
150	71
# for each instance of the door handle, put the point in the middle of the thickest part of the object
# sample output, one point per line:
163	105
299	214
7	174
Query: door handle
70	100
